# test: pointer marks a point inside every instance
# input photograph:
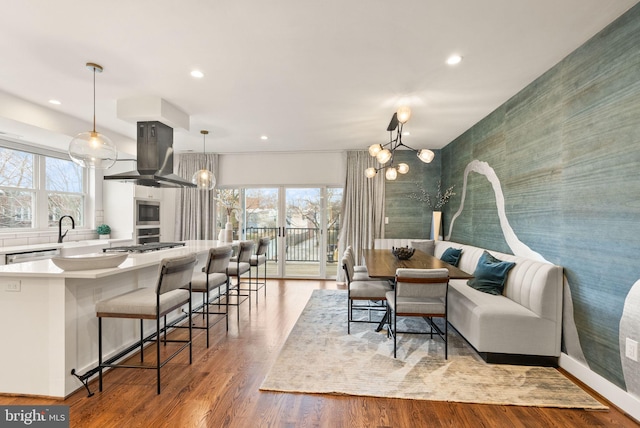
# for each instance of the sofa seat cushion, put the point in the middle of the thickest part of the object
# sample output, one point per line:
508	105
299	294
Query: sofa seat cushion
496	323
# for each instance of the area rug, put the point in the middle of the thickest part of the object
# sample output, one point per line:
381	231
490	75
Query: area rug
320	357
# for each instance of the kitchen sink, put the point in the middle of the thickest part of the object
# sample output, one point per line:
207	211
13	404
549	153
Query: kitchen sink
89	261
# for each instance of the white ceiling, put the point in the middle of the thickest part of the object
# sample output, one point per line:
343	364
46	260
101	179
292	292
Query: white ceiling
311	75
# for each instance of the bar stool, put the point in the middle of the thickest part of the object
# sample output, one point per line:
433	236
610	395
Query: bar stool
213	275
257	260
150	303
238	266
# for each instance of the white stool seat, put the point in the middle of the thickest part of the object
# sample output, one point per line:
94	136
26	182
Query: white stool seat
141	302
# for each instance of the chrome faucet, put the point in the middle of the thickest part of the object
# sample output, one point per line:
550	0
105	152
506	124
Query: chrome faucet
60	234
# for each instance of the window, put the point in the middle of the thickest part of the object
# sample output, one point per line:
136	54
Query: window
29	181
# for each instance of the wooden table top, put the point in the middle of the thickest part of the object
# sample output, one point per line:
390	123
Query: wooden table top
383	264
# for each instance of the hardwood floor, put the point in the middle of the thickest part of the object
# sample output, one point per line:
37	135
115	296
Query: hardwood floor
220	388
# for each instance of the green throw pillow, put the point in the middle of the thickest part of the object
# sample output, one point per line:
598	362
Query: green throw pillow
451	255
490	274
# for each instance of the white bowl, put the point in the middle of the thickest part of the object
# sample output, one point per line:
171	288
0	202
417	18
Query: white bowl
89	261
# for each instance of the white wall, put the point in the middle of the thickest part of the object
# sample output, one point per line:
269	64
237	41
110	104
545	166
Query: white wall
273	169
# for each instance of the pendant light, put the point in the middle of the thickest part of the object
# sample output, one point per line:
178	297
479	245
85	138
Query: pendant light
384	153
204	179
92	149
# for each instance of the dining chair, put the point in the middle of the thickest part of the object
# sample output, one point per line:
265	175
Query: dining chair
418	293
356	267
152	304
373	292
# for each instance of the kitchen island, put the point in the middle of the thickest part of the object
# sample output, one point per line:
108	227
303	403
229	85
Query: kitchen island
49	322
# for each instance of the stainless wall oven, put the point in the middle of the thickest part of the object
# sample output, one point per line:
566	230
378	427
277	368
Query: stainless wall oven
147	213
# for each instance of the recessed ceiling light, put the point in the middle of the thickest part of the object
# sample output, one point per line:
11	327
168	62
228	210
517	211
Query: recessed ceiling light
264	137
454	59
55	102
407	133
197	74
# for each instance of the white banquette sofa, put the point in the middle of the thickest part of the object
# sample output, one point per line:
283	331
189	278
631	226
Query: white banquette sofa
522	326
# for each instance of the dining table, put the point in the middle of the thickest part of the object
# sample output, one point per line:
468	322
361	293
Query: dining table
382	264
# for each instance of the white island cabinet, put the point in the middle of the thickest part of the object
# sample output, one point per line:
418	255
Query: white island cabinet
49	320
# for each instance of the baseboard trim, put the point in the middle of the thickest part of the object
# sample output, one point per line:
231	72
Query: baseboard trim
519	359
620	398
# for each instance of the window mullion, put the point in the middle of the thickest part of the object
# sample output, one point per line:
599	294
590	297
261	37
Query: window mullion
41	203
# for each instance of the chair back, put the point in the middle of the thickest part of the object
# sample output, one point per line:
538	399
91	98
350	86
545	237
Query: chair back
175	272
349	254
422	283
218	259
263	246
245	251
347	266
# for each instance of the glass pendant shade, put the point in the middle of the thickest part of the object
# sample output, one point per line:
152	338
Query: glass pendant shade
204	179
370	172
374	149
391	174
426	155
403	168
404	113
384	156
93	150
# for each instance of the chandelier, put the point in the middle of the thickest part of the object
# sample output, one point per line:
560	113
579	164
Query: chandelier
384	153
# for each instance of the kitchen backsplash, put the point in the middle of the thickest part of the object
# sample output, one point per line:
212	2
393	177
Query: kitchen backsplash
28	237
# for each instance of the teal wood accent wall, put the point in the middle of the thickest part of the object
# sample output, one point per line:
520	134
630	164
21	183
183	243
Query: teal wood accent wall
409	218
566	150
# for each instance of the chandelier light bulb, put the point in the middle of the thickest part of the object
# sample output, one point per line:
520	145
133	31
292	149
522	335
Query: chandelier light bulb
370	172
374	149
403	168
426	155
404	113
391	174
384	156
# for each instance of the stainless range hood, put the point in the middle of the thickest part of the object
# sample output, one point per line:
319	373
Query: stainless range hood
154	158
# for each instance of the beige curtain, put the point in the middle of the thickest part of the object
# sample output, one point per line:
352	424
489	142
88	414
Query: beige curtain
362	206
195	209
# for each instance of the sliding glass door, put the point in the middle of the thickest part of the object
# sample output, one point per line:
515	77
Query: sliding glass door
303	224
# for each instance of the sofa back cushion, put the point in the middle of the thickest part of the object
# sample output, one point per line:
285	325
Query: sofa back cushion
536	285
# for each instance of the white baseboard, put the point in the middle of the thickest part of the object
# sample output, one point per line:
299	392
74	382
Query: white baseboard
617	396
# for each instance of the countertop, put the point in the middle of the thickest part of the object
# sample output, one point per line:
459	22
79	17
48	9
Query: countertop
46	268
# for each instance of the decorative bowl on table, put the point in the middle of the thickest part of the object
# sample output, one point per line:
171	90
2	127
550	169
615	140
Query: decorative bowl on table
402	253
89	261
